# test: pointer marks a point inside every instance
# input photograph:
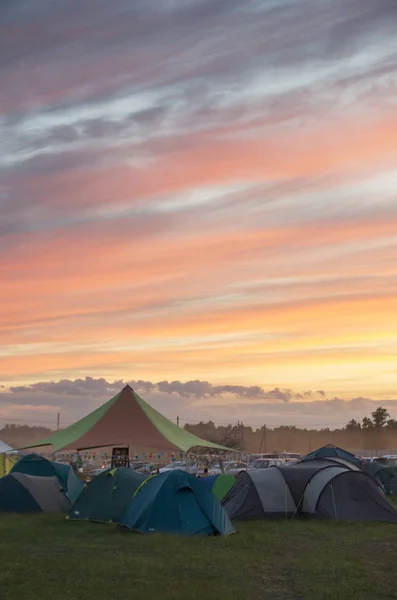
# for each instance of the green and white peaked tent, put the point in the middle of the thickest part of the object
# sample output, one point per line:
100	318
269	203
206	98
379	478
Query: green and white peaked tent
125	420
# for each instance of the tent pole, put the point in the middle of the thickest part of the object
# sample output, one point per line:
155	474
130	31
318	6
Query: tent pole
333	500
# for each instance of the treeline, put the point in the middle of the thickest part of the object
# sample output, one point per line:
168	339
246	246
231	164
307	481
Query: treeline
20	435
375	432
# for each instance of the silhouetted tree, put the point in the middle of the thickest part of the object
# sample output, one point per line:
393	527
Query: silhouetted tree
379	417
231	438
353	425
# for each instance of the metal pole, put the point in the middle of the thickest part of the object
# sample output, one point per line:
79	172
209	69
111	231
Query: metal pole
177	421
58	422
333	500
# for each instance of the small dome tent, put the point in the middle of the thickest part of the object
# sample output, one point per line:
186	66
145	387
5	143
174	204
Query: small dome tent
176	502
21	493
107	496
260	493
35	464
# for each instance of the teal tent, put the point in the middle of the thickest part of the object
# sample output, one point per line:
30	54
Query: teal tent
176	502
107	496
34	464
385	476
331	451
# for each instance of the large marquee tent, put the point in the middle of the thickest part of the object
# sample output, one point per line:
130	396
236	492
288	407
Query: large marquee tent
125	420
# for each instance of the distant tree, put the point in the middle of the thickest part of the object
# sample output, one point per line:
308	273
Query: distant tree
391	424
231	438
353	425
380	417
367	423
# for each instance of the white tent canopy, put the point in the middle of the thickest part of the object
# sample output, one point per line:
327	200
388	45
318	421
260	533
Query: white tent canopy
5	448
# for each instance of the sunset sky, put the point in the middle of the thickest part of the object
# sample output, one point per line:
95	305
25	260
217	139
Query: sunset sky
199	190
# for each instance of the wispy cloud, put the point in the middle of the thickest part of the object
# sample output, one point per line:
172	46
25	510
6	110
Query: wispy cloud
191	401
202	189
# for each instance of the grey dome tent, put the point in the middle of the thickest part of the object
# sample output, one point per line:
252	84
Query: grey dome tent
35	464
21	493
260	493
316	488
333	459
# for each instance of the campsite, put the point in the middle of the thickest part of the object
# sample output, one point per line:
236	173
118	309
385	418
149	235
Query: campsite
278	528
198	306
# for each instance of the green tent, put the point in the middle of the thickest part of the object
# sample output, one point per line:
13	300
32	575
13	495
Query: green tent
125	420
219	484
106	497
34	464
176	502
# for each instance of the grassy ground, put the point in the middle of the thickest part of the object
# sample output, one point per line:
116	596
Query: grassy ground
45	558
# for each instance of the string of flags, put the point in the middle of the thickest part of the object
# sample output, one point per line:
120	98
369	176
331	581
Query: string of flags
161	456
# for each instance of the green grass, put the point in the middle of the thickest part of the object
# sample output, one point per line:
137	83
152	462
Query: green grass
45	558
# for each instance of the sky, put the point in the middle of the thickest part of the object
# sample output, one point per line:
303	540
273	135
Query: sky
199	193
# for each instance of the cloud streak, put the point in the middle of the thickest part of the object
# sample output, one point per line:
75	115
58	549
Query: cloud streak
192	400
199	191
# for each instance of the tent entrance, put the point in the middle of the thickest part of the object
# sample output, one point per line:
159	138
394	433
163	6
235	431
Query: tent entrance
192	517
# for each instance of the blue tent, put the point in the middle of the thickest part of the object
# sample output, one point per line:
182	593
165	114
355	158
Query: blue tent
34	464
176	502
331	451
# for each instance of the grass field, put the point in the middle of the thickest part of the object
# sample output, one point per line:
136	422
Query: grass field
45	558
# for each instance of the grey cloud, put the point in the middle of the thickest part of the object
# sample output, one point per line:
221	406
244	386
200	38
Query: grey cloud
211	60
282	36
188	389
192	400
130	49
77	387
